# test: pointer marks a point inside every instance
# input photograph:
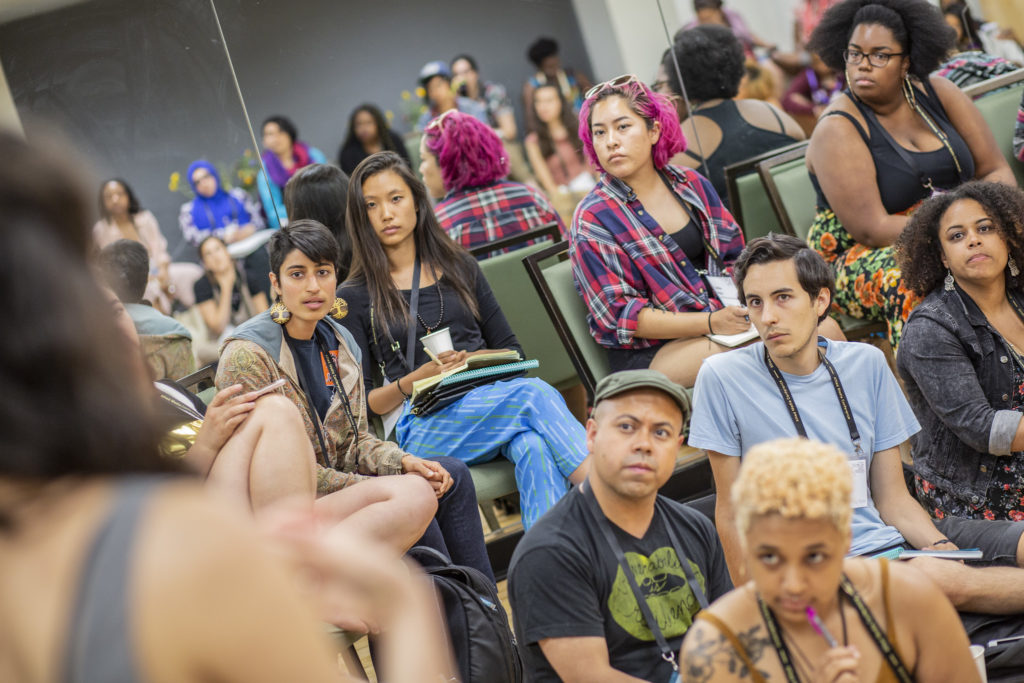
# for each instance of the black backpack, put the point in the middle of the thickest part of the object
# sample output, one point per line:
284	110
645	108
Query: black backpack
484	645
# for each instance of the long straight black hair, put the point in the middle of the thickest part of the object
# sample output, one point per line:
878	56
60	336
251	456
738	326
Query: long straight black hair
435	249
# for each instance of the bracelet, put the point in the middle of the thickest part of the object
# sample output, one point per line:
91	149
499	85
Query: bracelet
941	541
710	329
398	383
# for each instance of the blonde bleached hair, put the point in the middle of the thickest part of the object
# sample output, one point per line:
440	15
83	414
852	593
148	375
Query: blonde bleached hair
794	478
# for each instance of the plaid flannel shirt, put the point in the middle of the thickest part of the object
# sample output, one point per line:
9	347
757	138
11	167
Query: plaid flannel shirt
479	215
623	261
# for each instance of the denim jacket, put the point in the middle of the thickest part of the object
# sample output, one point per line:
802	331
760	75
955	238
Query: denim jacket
958	373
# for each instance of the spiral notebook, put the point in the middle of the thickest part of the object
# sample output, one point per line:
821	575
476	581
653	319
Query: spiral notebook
504	369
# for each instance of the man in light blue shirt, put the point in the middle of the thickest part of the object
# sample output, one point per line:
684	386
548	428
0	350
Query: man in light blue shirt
794	383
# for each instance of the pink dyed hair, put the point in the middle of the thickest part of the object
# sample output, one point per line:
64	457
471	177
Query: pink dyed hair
468	152
648	105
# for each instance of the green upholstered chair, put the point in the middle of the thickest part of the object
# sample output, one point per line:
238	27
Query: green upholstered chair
748	201
998	99
789	189
522	306
551	274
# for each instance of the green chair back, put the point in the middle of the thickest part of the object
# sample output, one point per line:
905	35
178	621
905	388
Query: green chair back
554	285
749	202
525	313
998	102
790	190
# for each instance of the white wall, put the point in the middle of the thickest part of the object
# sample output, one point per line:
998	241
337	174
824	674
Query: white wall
625	36
770	20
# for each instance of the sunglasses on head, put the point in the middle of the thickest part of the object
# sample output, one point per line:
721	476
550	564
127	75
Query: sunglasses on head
624	79
439	120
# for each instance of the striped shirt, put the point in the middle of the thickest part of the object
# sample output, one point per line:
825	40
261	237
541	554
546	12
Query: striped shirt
479	215
624	262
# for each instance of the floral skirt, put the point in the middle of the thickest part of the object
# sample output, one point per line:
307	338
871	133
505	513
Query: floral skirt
868	282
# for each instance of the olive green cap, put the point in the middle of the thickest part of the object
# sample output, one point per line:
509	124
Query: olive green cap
630	380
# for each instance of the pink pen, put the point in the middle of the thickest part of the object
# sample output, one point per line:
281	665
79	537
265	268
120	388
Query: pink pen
819	626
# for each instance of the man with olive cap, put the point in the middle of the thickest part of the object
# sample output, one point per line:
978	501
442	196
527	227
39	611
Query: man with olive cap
575	577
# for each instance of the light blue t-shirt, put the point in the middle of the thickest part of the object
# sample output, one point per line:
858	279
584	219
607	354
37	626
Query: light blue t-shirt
737	405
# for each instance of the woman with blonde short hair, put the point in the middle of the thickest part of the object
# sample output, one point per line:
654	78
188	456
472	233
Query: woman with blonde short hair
809	613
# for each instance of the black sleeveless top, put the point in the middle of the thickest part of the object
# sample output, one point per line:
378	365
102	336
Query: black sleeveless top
898	183
740	140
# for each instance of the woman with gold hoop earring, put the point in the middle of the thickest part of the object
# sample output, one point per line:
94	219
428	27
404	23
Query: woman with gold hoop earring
897	137
301	341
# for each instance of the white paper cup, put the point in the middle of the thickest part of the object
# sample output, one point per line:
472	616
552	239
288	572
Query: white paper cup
438	342
978	653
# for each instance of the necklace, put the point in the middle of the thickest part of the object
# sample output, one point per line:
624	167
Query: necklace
803	661
440	319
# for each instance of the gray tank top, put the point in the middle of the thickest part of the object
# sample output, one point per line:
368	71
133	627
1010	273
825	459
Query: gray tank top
99	645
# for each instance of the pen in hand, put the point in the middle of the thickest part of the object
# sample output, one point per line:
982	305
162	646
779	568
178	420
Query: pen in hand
819	626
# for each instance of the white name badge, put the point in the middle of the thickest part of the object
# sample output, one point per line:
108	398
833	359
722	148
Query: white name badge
725	289
859	469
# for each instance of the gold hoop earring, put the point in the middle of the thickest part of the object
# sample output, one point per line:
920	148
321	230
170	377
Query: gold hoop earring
339	309
279	314
849	84
908	92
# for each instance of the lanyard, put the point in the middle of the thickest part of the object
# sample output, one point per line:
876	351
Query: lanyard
874	630
339	389
667	653
787	396
408	357
712	252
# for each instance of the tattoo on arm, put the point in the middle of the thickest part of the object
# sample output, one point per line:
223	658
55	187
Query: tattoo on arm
713	651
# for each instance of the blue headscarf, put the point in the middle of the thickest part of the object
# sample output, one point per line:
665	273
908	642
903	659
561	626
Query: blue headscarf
218	211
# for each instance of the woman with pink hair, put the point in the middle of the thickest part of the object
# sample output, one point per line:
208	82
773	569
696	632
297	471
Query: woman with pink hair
650	238
464	164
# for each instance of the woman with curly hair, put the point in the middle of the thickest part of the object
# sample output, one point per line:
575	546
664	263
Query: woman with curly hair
877	621
897	136
464	164
368	133
961	354
730	130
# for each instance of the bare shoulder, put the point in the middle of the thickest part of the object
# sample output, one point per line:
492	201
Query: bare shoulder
710	654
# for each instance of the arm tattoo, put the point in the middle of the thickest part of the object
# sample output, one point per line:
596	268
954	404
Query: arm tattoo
712	650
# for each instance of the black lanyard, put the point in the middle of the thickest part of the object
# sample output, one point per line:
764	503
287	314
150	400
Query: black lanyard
787	396
712	252
667	653
408	357
868	619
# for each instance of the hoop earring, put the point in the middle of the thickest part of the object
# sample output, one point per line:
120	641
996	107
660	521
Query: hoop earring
279	314
849	87
947	283
908	92
339	309
1014	269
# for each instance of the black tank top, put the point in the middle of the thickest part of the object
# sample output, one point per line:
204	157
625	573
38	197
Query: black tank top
898	183
740	140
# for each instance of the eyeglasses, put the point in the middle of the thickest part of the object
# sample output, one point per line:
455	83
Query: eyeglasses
439	120
875	59
624	79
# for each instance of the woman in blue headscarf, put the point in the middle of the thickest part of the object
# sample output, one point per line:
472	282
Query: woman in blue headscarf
231	215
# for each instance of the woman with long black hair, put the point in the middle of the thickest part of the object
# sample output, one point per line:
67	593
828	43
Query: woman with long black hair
399	248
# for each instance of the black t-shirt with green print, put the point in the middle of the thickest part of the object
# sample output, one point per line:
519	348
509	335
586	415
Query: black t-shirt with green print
564	582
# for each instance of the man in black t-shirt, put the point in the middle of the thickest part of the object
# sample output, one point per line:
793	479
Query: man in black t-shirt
576	615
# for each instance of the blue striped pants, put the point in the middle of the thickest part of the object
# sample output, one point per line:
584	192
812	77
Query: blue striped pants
525	420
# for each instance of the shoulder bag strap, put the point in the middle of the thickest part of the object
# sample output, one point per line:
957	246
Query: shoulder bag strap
874	630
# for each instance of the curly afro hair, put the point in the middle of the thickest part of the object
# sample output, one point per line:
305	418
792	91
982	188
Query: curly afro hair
918	251
711	61
917	25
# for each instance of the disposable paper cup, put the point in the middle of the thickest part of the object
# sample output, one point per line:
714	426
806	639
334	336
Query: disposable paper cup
978	652
438	342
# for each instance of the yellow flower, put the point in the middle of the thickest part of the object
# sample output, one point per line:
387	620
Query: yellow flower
389	114
406	95
420	92
175	181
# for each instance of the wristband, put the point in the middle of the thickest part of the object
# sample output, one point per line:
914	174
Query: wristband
941	541
398	383
710	329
